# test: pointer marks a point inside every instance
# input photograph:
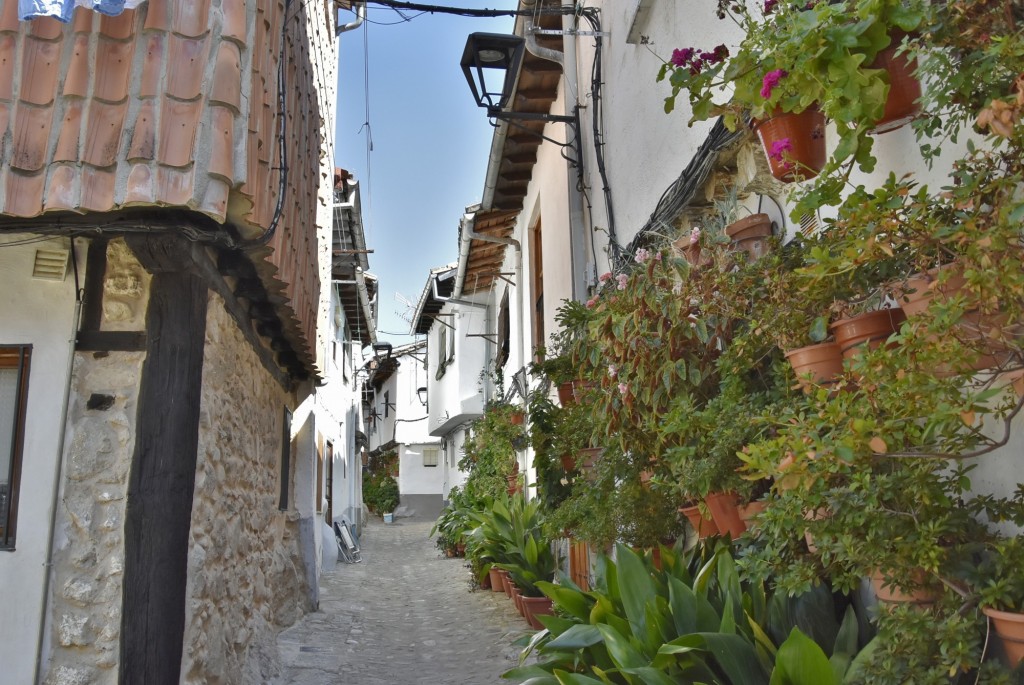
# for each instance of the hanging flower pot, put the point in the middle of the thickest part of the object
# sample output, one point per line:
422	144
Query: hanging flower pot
1009	627
724	508
702	526
517	417
868	330
817	364
568	462
794	144
901	105
565	395
751	234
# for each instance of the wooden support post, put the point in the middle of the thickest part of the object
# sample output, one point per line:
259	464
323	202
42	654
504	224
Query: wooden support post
162	480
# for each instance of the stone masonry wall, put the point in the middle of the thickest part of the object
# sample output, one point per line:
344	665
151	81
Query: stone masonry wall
88	562
246	579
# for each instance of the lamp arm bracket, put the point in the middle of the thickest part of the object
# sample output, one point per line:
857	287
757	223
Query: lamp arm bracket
569	32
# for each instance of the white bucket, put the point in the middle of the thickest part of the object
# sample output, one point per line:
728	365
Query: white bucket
389	517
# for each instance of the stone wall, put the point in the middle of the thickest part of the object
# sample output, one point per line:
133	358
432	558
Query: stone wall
88	560
246	576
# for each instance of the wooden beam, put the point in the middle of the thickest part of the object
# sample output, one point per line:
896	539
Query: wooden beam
95	275
110	341
161	483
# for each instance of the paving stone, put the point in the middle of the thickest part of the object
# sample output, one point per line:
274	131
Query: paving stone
406	615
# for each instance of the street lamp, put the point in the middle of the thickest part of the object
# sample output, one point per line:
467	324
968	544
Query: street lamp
422	394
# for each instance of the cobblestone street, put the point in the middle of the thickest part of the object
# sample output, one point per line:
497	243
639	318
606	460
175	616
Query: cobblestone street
404	616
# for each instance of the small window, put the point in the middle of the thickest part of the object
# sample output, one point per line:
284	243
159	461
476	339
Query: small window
442	350
430	456
387	403
13	395
286	459
504	326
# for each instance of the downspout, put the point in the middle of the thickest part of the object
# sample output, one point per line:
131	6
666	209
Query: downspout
577	237
44	603
360	17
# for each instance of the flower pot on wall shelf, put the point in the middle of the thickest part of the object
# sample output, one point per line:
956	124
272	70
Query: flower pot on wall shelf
794	144
821	363
901	105
702	526
565	394
888	593
1009	626
724	508
751	234
868	330
580	388
568	462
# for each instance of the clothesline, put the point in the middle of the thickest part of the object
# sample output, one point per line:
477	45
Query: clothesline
62	10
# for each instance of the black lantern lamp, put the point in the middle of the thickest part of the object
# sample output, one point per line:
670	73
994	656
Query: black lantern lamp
422	394
492	60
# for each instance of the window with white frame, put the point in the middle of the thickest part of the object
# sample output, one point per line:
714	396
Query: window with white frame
430	456
14	361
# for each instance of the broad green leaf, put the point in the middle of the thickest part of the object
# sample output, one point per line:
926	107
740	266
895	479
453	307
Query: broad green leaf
572	602
845	647
853	673
736	657
577	637
623	654
650	676
636	588
800	661
565	678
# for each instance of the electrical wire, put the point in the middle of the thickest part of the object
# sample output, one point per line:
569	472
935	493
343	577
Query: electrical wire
596	84
471	12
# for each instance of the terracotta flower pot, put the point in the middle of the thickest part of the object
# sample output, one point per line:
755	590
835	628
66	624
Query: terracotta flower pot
901	104
794	144
517	418
568	462
565	395
751	234
703	526
580	388
1009	627
749	512
537	606
823	362
866	330
724	508
506	582
589	456
891	594
691	251
517	597
495	575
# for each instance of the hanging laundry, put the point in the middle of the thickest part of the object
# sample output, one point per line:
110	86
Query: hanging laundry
63	9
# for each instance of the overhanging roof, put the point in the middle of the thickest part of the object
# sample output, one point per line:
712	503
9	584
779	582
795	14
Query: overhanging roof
483	259
429	305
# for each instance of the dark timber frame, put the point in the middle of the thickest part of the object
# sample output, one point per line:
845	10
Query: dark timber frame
162	480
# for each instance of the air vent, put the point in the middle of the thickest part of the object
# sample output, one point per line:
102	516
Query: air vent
50	264
809	224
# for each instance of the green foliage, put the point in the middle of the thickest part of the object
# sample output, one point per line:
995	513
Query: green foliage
490	451
380	493
509	534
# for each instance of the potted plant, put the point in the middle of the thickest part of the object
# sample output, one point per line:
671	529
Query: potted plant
1000	587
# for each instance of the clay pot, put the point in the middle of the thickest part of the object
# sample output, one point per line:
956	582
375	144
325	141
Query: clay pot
824	363
534	607
517	598
495	575
703	526
690	251
1009	627
749	512
568	463
751	234
901	105
724	508
517	418
866	330
580	388
813	515
589	456
506	582
890	594
565	395
806	134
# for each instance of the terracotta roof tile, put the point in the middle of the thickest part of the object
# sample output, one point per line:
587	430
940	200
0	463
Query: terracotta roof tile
7	47
76	82
97	189
82	21
215	199
233	19
39	70
140	189
9	17
112	80
144	136
24	194
158	15
222	123
227	78
70	132
178	123
121	26
152	65
5	113
103	135
174	186
63	190
31	137
188	56
47	28
192	18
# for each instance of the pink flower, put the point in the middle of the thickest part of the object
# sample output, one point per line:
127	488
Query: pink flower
657	256
591	302
641	256
769	6
612	371
683	57
605	276
623	388
695	235
771	79
779	148
623	279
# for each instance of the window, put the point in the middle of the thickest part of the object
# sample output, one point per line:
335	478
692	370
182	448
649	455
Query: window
504	324
387	403
286	459
430	456
537	286
14	361
443	353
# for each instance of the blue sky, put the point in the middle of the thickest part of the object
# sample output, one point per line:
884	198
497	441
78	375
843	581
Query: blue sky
430	142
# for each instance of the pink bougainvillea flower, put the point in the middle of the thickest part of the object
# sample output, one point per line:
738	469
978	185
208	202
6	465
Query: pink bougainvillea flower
770	80
779	148
612	371
605	276
623	279
641	256
623	388
769	6
695	235
682	58
591	302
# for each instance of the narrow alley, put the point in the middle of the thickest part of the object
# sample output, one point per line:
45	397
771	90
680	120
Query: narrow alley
403	616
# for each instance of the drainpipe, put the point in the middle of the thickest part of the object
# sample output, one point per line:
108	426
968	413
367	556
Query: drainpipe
577	237
44	604
360	17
